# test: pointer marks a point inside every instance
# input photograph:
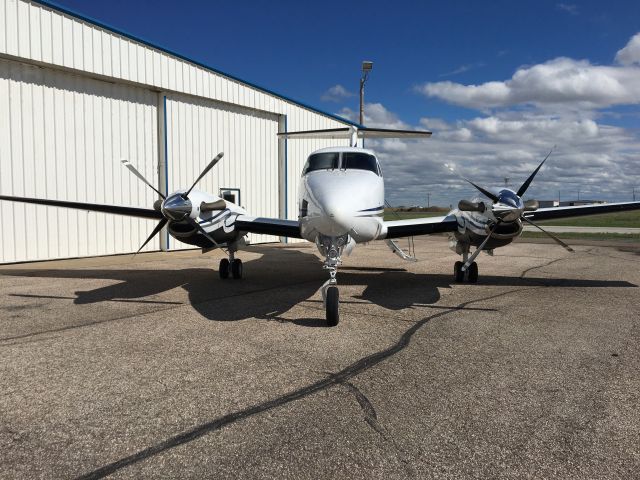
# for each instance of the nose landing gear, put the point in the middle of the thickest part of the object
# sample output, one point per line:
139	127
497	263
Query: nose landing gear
332	248
331	297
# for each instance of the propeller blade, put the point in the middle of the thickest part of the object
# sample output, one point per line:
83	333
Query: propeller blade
133	170
204	232
479	249
551	235
159	227
212	164
484	191
525	185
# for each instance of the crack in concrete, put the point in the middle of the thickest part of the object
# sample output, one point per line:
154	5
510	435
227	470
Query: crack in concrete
338	378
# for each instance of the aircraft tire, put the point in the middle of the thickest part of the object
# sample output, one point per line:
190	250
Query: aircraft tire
473	273
236	268
457	272
333	303
223	269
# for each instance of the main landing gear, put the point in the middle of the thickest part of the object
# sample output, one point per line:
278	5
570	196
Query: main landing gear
231	266
470	273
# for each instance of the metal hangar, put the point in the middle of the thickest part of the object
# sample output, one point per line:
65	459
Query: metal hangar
77	96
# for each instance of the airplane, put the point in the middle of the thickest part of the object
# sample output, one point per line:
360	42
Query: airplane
341	204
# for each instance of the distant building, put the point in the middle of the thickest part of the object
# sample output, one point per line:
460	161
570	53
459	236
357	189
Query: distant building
577	203
568	203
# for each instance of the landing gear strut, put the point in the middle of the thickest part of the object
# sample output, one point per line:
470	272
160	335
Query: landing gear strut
331	248
231	266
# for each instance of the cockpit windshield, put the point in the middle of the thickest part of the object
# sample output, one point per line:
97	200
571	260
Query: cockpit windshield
359	161
321	161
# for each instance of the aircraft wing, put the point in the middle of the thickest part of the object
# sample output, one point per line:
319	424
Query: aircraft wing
94	207
421	226
268	226
567	212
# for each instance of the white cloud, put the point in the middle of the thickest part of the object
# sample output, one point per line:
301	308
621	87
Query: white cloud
463	69
630	54
599	160
337	93
559	102
568	7
375	115
559	82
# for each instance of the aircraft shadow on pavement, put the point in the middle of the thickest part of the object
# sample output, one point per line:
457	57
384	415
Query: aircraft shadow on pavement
269	280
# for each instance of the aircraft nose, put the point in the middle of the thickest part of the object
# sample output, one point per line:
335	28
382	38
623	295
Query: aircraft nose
339	216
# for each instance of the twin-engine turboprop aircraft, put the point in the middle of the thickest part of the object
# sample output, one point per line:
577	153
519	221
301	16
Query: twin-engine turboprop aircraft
341	204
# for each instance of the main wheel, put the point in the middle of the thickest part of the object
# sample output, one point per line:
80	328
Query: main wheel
473	272
333	302
457	272
236	268
224	268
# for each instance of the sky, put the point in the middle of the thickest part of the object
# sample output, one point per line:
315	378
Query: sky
499	83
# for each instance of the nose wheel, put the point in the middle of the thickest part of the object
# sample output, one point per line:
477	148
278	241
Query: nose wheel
333	306
331	297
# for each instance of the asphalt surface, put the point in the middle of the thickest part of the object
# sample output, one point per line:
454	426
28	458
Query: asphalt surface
153	367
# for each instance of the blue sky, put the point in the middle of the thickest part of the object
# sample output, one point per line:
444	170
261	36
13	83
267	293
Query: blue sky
426	56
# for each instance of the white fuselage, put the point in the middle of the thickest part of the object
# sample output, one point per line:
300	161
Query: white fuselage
340	201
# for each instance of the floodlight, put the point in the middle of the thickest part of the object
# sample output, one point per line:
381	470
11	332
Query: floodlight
367	66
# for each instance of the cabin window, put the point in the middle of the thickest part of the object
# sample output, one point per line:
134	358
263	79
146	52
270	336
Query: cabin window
360	161
321	161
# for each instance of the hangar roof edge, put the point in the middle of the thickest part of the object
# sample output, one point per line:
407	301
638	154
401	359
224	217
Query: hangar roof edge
98	23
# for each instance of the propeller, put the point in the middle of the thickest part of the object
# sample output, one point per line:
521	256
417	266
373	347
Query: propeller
212	164
508	208
179	208
551	235
479	249
484	191
133	170
527	182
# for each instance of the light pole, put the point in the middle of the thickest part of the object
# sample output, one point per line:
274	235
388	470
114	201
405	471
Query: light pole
366	69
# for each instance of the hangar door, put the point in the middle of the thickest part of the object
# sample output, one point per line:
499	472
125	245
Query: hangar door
197	129
62	137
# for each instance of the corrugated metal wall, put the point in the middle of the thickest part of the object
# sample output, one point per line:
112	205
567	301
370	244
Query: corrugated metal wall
97	92
62	137
198	129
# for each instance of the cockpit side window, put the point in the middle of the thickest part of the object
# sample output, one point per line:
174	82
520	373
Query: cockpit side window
360	161
321	161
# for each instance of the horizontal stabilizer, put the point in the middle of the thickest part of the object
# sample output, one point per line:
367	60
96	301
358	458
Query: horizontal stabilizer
362	132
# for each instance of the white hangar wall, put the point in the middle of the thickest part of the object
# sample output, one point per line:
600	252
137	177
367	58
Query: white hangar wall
77	96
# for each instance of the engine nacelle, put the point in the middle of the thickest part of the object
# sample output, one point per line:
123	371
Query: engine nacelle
505	231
